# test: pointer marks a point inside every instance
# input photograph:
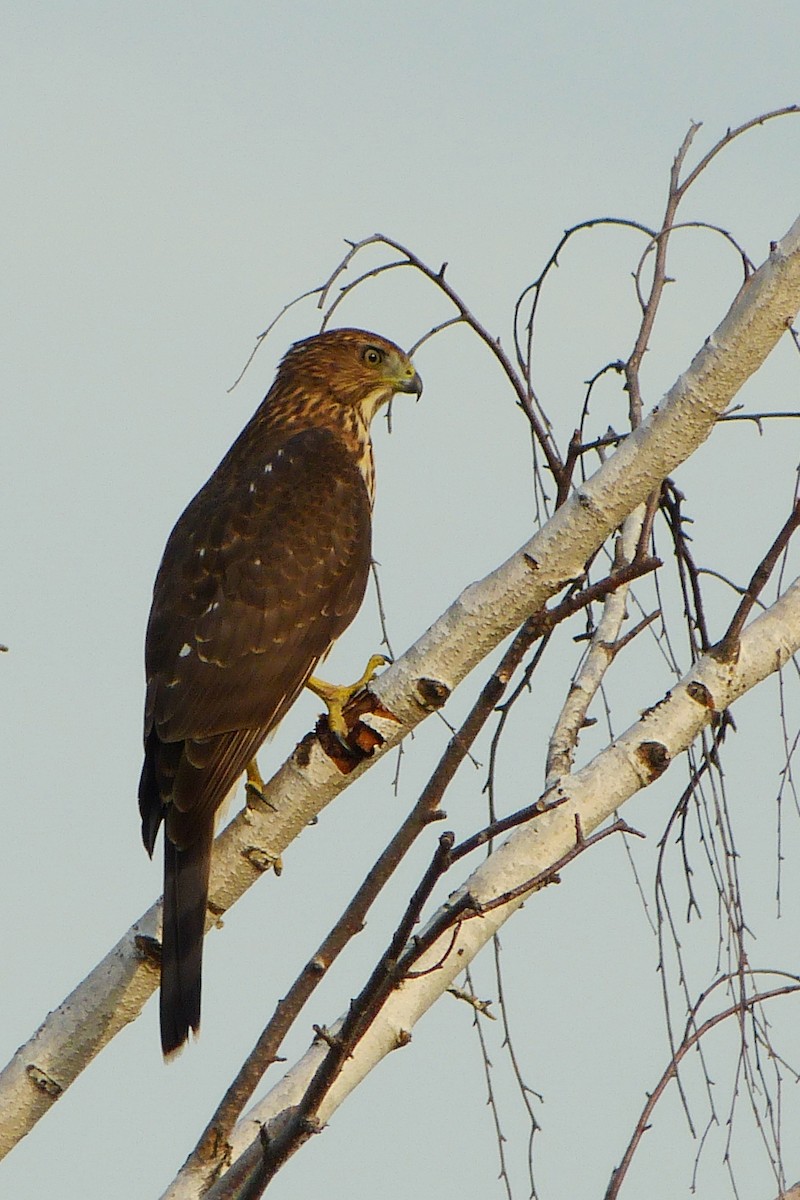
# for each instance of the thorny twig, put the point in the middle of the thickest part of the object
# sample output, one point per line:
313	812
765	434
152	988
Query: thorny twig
491	1099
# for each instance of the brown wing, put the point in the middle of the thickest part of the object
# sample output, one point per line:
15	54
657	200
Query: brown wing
261	574
264	570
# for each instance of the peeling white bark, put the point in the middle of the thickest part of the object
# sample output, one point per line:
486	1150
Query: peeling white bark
590	674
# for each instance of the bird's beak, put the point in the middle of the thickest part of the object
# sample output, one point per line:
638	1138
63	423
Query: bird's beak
409	381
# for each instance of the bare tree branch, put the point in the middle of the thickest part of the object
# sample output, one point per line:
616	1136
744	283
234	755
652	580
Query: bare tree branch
496	889
693	1035
420	681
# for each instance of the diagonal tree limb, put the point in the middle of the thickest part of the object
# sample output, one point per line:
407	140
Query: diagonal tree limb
589	797
486	612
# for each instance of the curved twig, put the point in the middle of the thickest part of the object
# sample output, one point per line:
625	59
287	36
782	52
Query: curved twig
691	1038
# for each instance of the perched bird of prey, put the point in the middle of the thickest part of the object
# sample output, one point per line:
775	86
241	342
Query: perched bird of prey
262	573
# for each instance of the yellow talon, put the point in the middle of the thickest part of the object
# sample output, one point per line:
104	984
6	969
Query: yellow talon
336	696
255	784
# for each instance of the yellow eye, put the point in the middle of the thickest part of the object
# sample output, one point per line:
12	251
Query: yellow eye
373	356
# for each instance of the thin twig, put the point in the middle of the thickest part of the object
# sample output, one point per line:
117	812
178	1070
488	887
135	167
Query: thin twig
437	277
730	135
691	1039
265	334
727	647
658	283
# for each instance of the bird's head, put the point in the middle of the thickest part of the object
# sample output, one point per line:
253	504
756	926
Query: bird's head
353	368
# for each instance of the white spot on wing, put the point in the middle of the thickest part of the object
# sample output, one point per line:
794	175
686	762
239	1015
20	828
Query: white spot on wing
201	553
184	650
251	488
267	468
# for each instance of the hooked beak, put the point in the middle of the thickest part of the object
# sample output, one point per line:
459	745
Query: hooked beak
410	382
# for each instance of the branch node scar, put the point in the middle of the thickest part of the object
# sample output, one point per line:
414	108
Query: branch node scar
701	695
654	757
44	1082
148	949
261	859
433	693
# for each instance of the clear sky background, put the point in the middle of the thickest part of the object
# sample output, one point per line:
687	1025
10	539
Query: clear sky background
173	175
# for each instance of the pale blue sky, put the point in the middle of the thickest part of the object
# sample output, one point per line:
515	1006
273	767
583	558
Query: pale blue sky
176	173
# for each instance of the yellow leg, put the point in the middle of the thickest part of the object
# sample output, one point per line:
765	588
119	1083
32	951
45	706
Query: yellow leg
255	783
335	696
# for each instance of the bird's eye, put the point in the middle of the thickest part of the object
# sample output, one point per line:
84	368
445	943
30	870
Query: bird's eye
373	356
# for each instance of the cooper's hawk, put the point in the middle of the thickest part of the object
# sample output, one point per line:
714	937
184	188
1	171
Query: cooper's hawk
262	573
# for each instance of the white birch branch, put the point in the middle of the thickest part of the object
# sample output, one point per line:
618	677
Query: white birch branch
593	795
598	658
115	991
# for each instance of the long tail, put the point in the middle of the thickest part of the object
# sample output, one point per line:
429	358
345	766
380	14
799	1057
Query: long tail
185	897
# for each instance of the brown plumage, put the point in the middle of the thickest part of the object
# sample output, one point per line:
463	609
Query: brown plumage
262	573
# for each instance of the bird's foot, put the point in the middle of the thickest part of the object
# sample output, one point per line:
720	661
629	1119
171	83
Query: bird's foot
255	784
336	696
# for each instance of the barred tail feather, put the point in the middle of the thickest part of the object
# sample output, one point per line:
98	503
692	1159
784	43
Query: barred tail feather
185	897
